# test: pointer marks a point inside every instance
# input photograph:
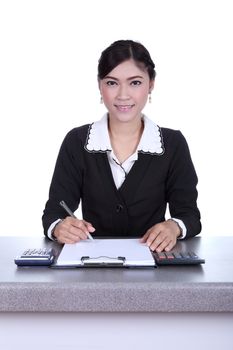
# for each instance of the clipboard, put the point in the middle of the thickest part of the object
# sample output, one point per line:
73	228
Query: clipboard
103	261
106	253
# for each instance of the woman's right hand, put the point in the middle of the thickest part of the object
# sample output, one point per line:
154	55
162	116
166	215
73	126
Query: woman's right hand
72	230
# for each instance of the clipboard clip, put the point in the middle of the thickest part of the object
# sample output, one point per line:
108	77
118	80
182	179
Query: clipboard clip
103	261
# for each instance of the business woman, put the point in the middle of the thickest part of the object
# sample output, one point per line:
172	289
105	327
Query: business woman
124	169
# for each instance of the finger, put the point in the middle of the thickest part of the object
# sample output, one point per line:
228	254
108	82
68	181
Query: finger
89	226
154	238
170	246
163	245
70	221
144	237
155	244
159	239
83	226
63	234
75	233
66	239
67	231
76	228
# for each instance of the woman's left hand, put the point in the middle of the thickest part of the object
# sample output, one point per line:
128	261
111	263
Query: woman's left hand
162	236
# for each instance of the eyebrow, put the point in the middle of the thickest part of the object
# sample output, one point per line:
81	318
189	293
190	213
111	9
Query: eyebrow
130	78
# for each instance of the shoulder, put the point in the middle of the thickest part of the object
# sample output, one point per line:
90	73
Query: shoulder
74	140
170	133
172	137
175	143
77	136
79	132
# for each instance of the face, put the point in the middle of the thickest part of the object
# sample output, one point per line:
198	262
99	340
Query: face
125	91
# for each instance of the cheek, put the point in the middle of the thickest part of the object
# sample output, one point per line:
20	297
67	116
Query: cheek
141	95
106	98
107	95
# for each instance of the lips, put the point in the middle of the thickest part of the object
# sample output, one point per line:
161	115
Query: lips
124	108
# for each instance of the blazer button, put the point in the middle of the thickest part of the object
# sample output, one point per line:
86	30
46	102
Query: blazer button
119	208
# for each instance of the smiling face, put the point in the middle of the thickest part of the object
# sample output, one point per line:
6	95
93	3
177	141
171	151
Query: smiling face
125	91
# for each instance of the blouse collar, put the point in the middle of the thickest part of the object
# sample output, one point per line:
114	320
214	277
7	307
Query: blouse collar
98	140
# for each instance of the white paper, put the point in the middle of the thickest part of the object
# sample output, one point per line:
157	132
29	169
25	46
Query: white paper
134	252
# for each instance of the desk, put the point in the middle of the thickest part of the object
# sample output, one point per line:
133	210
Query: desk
118	308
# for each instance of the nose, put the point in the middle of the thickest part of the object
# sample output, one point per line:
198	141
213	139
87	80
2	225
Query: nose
123	93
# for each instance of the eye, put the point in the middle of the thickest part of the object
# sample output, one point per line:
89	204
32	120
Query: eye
136	82
111	82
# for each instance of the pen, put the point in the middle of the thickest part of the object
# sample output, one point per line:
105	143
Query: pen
67	209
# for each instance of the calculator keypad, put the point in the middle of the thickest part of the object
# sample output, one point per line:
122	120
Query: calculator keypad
177	258
36	252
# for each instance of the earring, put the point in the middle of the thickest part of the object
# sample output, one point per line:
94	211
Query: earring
101	99
150	99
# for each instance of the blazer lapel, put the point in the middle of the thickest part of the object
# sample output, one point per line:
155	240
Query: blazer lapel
106	174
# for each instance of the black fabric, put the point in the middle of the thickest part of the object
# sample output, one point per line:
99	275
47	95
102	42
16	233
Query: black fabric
153	182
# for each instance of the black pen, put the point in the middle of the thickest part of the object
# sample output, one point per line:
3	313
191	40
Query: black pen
67	209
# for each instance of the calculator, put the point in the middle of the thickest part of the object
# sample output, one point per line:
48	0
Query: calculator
36	257
177	258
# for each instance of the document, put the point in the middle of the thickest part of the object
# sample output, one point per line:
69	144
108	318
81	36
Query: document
106	252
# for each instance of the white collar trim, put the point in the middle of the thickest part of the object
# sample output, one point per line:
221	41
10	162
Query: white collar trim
98	137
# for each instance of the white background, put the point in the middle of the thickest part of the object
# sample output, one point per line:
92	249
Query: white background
48	64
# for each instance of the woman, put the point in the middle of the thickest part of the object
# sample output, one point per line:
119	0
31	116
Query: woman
124	168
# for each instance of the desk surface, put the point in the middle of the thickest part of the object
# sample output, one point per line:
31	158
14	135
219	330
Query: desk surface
203	288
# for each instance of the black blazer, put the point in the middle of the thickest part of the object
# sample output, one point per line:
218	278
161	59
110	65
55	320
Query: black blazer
153	182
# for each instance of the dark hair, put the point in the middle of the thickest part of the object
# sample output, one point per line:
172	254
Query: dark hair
123	50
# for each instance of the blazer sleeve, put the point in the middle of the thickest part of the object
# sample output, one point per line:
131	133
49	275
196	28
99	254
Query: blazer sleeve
181	186
66	182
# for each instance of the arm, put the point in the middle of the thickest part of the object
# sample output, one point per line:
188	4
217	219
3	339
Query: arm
66	185
181	195
181	188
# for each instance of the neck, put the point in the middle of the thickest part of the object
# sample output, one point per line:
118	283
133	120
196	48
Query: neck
125	137
125	130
